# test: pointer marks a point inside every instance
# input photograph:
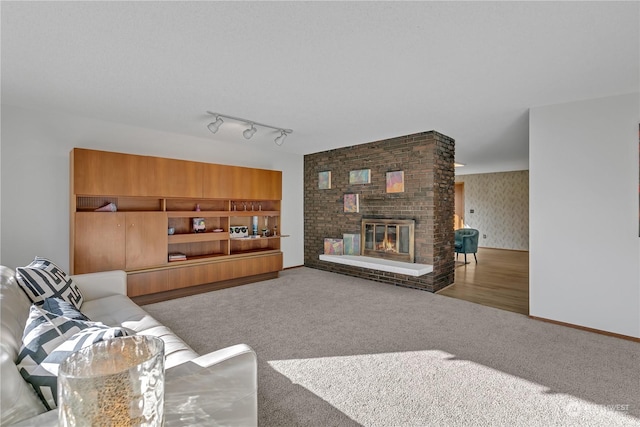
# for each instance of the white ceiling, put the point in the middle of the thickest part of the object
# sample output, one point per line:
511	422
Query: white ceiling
337	73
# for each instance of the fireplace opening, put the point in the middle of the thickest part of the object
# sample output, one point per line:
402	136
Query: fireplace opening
388	238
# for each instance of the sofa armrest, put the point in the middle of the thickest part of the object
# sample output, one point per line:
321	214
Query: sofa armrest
221	355
101	284
221	386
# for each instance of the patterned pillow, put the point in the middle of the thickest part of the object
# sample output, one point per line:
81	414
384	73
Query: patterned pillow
62	308
47	340
42	279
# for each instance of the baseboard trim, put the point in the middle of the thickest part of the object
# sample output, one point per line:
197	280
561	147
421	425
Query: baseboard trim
504	249
584	328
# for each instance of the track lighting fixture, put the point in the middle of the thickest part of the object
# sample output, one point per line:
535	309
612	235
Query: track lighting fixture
214	126
248	133
280	139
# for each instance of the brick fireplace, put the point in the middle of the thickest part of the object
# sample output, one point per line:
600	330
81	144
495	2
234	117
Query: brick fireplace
426	159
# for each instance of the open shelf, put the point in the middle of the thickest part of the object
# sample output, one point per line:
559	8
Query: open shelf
197	258
255	238
254	251
252	213
196	214
197	237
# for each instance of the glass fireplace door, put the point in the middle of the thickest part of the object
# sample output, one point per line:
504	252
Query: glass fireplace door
388	238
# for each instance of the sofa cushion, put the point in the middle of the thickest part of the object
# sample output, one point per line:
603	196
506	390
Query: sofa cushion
119	310
42	279
62	308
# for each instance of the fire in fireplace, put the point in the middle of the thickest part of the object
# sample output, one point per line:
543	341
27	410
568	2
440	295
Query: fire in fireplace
388	238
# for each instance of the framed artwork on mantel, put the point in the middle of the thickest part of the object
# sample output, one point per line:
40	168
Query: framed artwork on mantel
333	246
351	244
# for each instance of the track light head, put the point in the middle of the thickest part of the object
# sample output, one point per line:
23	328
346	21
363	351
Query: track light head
250	132
214	126
280	139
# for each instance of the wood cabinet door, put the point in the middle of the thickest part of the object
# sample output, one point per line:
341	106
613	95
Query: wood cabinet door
265	184
217	181
146	239
99	242
174	178
237	183
103	173
147	283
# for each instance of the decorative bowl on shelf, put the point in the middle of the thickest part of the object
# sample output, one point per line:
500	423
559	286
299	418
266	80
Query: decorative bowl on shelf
218	230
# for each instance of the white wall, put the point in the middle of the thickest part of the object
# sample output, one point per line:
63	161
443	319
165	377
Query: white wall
35	177
584	244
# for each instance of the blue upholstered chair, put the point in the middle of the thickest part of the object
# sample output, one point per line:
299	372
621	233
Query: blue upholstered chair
466	242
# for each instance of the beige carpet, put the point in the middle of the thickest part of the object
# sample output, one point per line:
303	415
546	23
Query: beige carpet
335	350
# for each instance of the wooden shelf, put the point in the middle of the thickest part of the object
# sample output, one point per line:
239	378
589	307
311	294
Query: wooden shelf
198	237
253	213
197	214
250	239
254	252
198	258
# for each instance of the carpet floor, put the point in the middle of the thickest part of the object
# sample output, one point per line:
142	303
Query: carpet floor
335	350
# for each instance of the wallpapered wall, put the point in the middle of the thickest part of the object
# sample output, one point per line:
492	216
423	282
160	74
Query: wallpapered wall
501	208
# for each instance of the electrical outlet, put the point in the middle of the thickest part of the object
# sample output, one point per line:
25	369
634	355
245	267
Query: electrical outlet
484	236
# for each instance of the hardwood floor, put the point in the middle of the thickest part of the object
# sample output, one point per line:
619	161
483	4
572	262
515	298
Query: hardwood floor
500	280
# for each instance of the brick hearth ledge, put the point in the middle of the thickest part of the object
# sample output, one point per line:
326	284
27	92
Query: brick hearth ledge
410	269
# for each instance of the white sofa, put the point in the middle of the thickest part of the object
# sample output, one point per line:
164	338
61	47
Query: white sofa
105	301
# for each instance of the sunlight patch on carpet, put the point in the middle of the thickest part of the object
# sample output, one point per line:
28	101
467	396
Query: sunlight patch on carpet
434	387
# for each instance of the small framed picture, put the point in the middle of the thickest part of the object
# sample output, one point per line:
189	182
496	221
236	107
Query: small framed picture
333	247
352	203
198	225
324	180
395	182
361	176
351	244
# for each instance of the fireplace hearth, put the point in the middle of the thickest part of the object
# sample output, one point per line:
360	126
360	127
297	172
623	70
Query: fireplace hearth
388	238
